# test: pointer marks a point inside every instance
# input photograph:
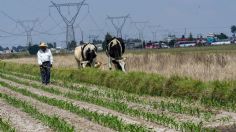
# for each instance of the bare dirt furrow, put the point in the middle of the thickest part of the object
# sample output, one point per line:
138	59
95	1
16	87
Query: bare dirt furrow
21	121
93	108
214	121
222	118
79	123
144	98
147	108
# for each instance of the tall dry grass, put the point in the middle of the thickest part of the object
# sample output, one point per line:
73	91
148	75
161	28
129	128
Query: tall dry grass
198	65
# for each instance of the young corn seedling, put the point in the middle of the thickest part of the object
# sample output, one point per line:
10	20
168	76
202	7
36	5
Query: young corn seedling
5	126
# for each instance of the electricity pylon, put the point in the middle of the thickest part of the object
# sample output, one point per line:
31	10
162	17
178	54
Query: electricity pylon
154	29
140	26
70	32
119	24
28	26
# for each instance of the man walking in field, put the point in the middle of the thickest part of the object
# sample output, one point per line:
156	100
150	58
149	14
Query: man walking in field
45	60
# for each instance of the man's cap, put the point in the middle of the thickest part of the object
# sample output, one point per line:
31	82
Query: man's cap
42	44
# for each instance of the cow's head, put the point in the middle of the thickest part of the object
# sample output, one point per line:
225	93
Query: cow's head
98	64
120	64
84	64
90	52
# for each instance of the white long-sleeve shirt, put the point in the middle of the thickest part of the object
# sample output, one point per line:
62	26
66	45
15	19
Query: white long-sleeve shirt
44	56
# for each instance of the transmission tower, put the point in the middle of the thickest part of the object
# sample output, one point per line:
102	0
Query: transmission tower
70	32
28	26
154	29
118	23
140	26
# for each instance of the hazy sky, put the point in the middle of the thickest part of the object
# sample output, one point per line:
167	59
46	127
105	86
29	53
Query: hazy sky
197	16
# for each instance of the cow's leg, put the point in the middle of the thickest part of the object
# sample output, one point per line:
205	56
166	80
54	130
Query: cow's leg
84	64
93	62
109	62
78	63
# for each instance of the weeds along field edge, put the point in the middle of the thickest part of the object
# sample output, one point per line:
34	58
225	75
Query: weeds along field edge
214	93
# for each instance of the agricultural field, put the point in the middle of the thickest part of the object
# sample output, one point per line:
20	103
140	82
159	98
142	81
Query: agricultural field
201	63
100	100
186	89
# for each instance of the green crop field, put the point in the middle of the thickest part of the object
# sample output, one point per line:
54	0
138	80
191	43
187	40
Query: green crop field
98	100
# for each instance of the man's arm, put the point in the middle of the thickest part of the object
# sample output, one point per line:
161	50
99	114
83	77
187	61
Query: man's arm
51	57
39	58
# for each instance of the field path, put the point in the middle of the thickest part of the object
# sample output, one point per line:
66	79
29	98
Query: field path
20	120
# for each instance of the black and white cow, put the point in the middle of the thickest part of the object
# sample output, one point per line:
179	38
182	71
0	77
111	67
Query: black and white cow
85	55
115	48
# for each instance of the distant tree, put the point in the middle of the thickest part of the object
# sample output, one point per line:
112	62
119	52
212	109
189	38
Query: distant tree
222	36
172	43
33	49
1	48
233	30
6	48
190	37
54	45
183	37
15	49
107	38
50	45
29	44
144	44
22	48
81	42
71	45
97	41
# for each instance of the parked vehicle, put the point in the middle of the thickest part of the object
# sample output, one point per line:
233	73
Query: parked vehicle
164	46
99	47
151	45
185	44
221	42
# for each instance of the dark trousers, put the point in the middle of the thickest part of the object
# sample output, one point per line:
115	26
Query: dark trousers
45	72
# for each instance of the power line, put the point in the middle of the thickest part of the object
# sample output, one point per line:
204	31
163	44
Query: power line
9	17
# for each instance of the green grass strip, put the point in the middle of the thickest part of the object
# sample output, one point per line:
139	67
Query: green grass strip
52	121
5	126
121	107
105	120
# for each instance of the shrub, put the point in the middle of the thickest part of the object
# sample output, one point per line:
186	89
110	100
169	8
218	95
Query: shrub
184	87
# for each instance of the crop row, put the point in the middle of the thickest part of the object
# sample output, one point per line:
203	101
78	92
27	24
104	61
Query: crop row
5	126
123	108
105	120
52	121
175	107
214	93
